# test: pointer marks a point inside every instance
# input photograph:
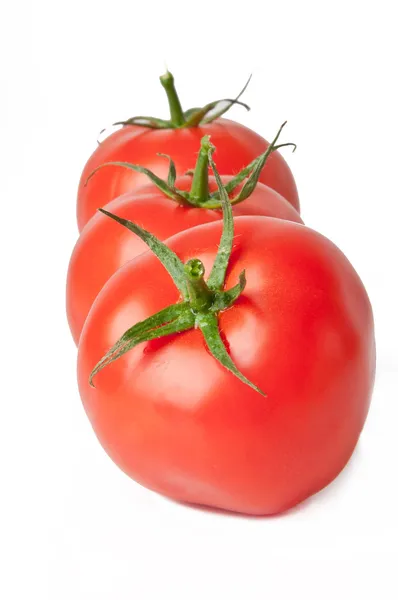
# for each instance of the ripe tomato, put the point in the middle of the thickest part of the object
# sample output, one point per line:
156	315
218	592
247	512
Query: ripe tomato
236	147
179	423
104	246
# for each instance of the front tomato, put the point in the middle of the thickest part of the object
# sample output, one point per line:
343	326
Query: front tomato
182	424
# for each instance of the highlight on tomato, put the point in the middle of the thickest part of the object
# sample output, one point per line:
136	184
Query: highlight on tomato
164	208
141	139
244	390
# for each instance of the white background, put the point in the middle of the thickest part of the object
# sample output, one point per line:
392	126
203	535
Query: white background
72	525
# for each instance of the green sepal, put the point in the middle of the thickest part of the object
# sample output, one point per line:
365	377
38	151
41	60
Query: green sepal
172	174
160	183
149	122
190	112
223	300
252	171
196	116
258	165
167	257
217	275
222	111
173	319
208	324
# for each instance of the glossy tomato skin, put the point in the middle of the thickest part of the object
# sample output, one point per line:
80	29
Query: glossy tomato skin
104	246
236	146
180	424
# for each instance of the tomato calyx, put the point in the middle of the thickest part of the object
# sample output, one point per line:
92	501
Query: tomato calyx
201	297
199	195
193	117
201	301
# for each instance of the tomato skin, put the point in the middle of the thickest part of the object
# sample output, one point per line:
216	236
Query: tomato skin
104	246
177	422
236	146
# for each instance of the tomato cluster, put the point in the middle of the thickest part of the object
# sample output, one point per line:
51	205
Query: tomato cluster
226	350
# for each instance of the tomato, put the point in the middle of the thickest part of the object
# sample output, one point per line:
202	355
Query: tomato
236	147
165	208
104	246
179	423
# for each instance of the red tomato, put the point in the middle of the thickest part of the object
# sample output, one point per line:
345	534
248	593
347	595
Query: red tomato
236	147
104	246
179	423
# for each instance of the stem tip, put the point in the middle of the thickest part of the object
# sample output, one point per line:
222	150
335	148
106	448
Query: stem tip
166	79
206	145
194	269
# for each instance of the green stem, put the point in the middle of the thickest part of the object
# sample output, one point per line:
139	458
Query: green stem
199	193
200	297
176	113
